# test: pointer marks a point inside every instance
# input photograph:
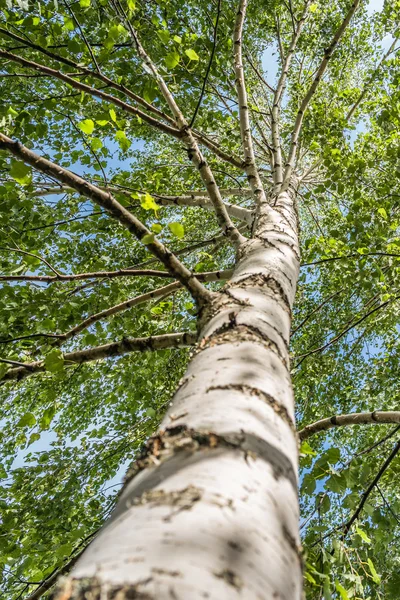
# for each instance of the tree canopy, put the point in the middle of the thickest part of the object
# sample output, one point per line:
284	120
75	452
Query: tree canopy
96	324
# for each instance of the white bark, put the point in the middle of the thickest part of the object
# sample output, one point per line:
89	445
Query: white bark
210	508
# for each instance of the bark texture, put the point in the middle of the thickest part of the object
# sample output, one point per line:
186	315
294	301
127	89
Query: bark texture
210	509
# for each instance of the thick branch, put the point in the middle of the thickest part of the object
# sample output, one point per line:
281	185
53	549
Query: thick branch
372	418
125	346
307	98
106	200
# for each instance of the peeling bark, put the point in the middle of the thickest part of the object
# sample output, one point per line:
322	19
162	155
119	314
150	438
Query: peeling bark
209	509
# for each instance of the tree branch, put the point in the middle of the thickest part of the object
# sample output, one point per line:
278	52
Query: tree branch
346	330
214	46
83	87
121	214
207	276
370	488
366	87
236	162
276	141
245	129
113	349
368	418
196	157
307	98
162	292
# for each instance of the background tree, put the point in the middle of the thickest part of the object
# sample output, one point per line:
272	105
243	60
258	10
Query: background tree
155	142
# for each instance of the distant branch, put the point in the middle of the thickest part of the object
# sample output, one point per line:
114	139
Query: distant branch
189	140
207	276
244	118
370	488
307	98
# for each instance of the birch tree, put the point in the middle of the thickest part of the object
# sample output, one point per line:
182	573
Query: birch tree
247	155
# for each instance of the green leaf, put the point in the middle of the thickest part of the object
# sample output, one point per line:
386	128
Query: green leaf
113	115
374	574
64	550
156	227
148	203
305	449
177	229
123	141
33	438
47	417
20	172
148	238
363	535
3	472
28	420
164	35
310	578
172	59
343	593
131	5
177	39
84	3
192	54
383	213
96	144
327	590
87	126
54	361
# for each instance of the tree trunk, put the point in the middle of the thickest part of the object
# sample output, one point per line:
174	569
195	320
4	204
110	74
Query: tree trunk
210	509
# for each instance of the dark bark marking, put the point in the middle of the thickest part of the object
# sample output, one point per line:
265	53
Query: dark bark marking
246	389
179	438
230	578
91	588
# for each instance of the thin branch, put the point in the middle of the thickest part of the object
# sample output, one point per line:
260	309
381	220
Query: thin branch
207	276
276	141
245	129
158	293
127	92
43	260
111	350
370	418
367	84
92	92
346	330
307	98
51	579
88	46
194	154
370	488
315	310
214	46
106	200
345	256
